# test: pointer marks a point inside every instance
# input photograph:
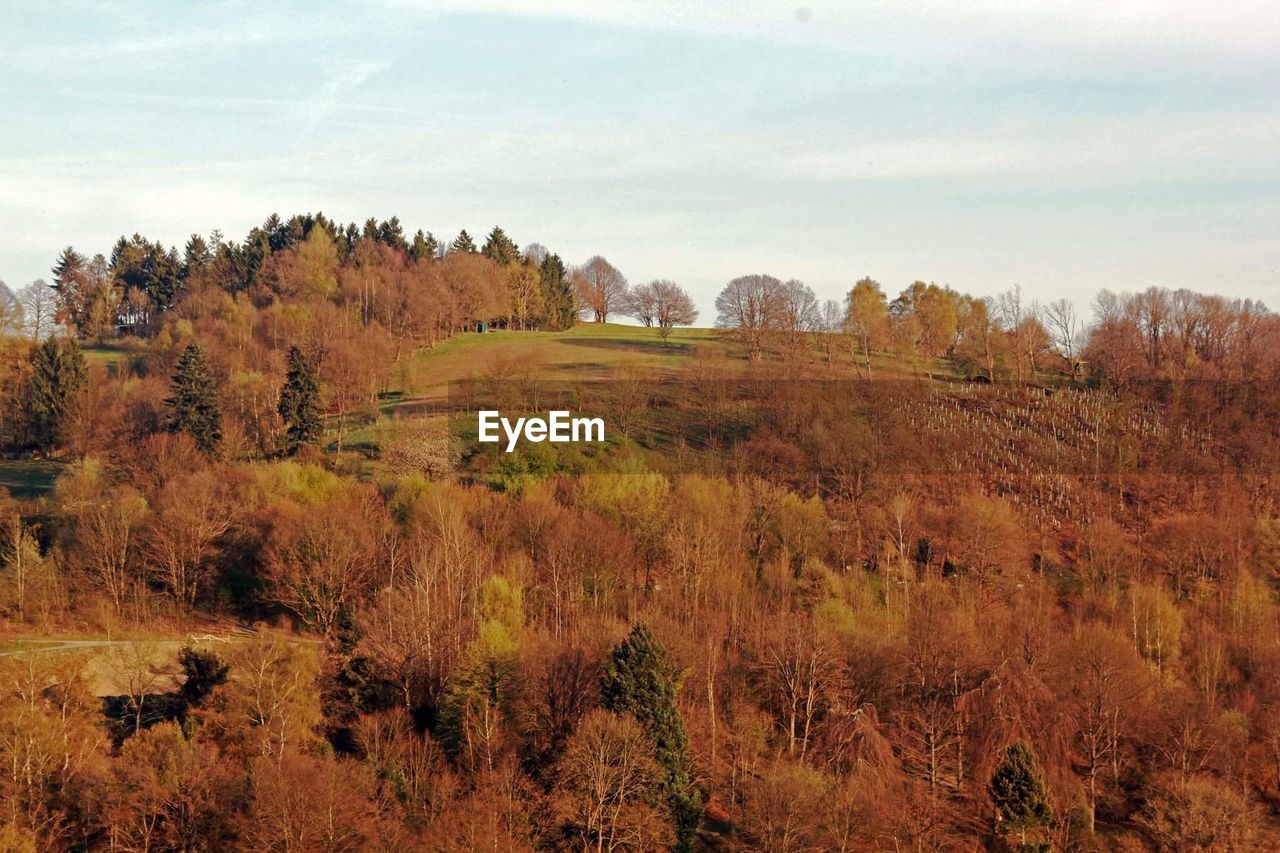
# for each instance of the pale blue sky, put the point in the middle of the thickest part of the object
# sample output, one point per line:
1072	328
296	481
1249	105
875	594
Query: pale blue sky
1065	146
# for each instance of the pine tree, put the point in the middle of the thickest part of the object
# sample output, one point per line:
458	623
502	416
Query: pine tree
499	248
58	373
557	293
300	403
1018	792
425	247
193	402
639	680
391	233
464	243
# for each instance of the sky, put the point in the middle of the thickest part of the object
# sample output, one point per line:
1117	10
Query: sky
1061	146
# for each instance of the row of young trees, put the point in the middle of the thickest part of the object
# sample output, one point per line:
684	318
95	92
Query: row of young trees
1153	334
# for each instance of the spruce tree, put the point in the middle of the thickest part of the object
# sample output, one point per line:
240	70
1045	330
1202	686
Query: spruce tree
300	403
58	373
193	401
464	243
639	680
1018	792
424	247
499	248
557	293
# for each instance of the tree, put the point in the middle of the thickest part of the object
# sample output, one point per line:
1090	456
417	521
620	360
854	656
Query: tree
1064	328
799	314
642	304
193	401
559	299
1017	790
463	243
321	562
524	285
750	307
602	288
639	680
499	248
300	403
11	319
866	317
424	247
39	305
58	374
672	307
191	514
611	783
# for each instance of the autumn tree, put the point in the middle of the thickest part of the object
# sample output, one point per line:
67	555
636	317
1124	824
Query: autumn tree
611	796
672	306
750	307
192	514
319	565
866	317
602	288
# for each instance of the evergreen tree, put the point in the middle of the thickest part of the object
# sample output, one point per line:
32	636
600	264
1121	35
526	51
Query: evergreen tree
1018	792
196	256
464	243
391	233
58	373
193	402
639	680
300	403
499	248
557	293
425	247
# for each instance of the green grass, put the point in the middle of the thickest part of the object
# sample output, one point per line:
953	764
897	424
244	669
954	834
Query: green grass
28	479
588	350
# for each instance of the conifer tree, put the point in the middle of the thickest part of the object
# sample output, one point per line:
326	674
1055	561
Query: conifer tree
193	401
464	243
58	373
424	247
1018	792
639	680
300	403
557	293
499	248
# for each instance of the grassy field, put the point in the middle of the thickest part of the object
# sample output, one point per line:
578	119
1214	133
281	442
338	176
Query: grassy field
589	350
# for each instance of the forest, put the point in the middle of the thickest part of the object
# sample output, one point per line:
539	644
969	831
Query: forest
923	571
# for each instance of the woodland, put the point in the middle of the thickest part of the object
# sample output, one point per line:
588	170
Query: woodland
922	571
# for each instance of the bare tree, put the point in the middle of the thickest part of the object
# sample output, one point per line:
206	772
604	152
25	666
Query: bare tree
612	780
1064	328
602	289
642	304
750	306
672	306
799	316
11	321
39	305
